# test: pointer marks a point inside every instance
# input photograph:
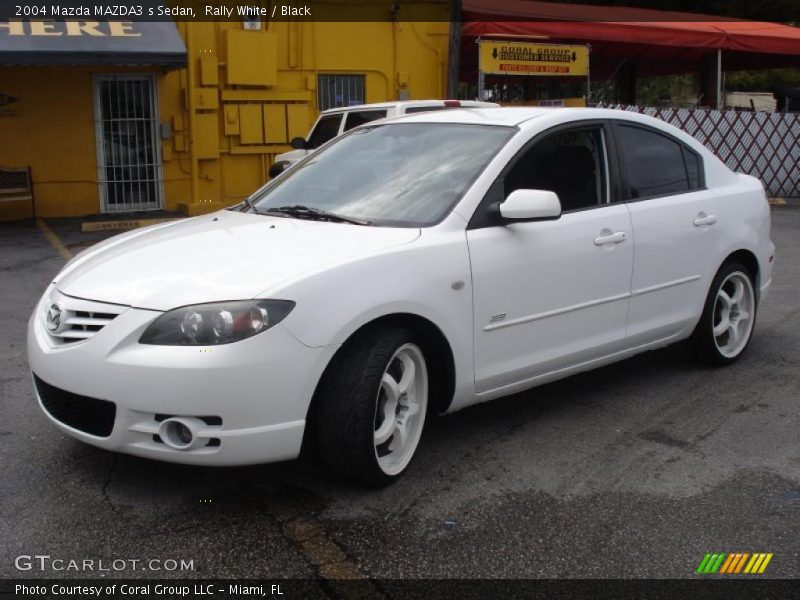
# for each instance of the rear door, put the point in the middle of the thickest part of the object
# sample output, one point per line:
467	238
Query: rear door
675	231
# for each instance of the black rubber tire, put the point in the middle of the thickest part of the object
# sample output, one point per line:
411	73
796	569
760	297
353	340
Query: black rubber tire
702	339
343	417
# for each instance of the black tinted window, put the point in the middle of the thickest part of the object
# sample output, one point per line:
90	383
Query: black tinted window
419	109
354	119
570	163
654	163
327	128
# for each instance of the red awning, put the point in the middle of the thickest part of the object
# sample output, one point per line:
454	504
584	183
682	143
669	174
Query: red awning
661	41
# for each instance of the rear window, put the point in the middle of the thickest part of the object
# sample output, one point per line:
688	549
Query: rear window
419	109
359	117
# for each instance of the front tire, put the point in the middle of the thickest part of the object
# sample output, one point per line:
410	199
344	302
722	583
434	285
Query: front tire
371	406
729	316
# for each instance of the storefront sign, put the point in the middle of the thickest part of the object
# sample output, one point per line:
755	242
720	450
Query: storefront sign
525	58
118	43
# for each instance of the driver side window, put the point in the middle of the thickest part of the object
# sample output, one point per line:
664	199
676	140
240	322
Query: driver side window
570	163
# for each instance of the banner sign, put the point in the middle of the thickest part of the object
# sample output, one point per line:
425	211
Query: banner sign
526	58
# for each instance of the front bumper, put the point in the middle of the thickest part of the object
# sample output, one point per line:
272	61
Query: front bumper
253	394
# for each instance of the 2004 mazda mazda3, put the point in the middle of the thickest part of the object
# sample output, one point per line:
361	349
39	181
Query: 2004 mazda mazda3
412	266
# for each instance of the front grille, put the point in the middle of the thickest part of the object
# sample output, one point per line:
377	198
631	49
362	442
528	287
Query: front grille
89	415
80	319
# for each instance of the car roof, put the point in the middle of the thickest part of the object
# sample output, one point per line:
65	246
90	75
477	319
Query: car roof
513	116
407	104
509	116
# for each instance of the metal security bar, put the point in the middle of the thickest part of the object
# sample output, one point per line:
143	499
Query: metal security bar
334	91
128	145
765	145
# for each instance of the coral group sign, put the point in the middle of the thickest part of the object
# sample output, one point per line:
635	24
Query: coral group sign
525	58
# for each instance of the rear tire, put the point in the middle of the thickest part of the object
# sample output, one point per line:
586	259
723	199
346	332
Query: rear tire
371	405
729	315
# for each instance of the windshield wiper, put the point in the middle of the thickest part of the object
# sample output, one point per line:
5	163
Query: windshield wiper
306	212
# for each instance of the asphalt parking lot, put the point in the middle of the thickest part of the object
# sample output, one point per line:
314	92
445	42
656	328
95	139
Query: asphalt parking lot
632	471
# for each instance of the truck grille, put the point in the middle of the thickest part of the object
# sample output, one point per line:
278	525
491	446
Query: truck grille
89	415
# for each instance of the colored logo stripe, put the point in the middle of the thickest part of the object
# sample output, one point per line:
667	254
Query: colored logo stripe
734	563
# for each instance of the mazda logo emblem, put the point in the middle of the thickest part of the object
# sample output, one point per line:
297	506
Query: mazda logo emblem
53	317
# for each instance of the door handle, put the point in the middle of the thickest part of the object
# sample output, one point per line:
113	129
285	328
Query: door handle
704	219
614	238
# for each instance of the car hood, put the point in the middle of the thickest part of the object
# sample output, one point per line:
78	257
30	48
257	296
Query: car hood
222	256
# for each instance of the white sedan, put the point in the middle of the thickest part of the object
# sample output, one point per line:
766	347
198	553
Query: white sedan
413	266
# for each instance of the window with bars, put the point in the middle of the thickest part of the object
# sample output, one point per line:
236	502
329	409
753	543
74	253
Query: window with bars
126	118
336	91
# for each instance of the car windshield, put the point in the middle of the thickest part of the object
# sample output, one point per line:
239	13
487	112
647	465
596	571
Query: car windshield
400	174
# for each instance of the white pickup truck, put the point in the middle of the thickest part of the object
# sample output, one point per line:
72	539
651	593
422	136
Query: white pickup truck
336	121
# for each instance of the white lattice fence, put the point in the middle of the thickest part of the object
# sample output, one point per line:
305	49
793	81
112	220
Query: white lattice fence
766	145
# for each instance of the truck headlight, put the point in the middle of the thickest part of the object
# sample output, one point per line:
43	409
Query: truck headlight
215	323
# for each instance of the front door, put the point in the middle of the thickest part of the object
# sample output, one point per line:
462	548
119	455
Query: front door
130	172
549	295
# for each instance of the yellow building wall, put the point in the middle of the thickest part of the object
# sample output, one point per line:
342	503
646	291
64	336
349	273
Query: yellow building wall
244	95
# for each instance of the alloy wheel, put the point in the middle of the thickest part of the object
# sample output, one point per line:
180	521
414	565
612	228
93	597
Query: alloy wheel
734	312
401	408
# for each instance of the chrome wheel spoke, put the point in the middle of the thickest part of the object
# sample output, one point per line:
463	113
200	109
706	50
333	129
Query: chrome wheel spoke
387	409
409	374
385	431
738	292
722	327
733	334
725	299
390	388
400	435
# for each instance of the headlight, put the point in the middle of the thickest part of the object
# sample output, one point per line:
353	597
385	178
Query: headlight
217	323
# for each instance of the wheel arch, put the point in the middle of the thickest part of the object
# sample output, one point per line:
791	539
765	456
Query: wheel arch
749	260
435	346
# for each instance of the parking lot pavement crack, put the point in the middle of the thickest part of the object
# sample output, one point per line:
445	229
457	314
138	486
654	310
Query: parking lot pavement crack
104	490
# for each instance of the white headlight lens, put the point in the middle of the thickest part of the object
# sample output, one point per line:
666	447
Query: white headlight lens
217	323
259	318
192	325
222	322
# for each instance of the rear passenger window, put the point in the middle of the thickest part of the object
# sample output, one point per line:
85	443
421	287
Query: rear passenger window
356	118
656	165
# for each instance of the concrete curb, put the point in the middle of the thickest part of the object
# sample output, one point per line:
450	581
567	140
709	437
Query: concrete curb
123	225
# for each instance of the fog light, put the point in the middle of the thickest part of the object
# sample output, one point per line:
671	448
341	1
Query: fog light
181	433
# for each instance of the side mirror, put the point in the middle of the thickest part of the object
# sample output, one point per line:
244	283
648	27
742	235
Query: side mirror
299	143
531	205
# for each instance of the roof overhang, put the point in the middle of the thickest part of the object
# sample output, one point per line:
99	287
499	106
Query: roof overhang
118	43
660	41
